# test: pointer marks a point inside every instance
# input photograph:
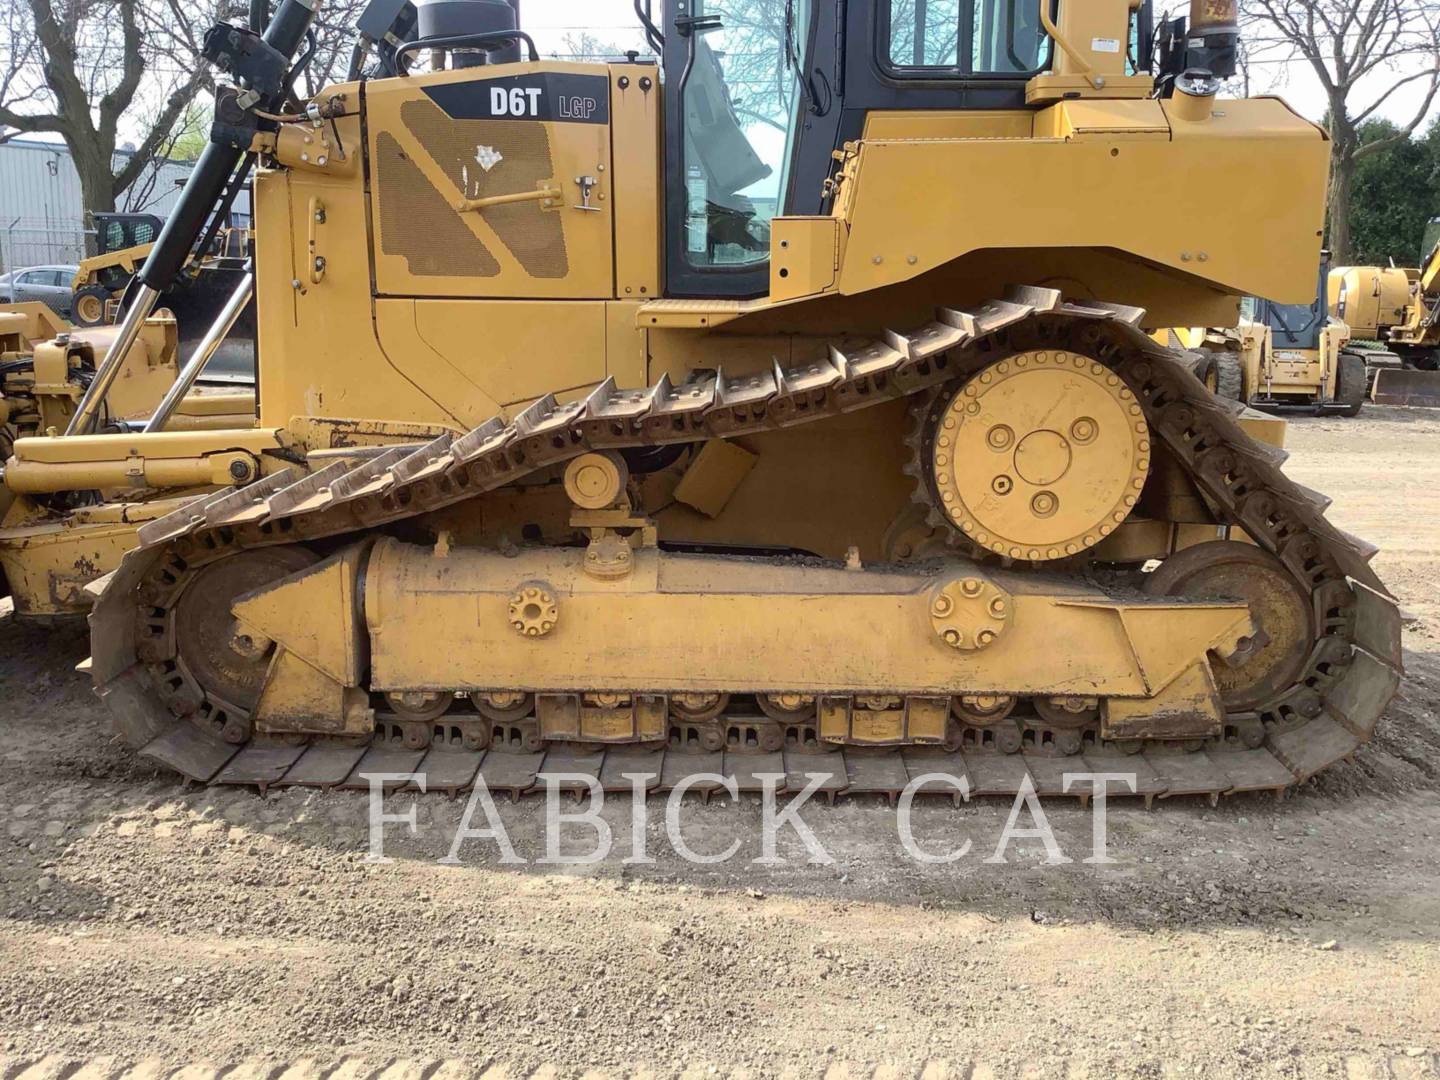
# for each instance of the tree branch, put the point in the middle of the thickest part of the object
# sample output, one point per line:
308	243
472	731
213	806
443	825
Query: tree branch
1366	149
25	125
132	68
1365	113
160	130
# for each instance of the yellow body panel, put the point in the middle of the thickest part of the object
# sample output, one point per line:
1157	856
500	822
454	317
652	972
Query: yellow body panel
806	256
24	324
49	562
128	259
424	163
1100	119
947	124
901	228
635	103
1388	303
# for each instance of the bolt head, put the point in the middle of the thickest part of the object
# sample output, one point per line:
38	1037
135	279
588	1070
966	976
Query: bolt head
1000	436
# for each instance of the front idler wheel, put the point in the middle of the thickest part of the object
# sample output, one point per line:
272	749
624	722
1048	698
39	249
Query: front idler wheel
227	660
1280	606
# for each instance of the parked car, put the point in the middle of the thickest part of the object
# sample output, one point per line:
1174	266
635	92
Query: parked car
51	285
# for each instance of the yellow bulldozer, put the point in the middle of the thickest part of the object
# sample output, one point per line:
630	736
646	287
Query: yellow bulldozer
605	427
1398	309
53	544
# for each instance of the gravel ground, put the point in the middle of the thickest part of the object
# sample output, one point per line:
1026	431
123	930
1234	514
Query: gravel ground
144	920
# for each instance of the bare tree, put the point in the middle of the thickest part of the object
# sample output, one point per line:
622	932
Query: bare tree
96	71
81	68
752	49
925	35
335	33
1363	52
189	131
587	47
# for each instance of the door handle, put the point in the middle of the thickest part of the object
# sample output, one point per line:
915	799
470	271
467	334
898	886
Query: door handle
547	196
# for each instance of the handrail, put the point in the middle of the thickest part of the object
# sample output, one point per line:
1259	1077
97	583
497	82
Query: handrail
1068	49
457	41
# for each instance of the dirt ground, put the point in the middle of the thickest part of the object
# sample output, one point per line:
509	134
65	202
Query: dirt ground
167	925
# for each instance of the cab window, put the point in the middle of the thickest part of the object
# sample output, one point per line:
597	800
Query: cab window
741	100
936	38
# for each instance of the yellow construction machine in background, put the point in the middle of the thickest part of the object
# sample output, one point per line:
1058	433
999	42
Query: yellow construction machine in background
54	540
215	267
1284	357
1397	309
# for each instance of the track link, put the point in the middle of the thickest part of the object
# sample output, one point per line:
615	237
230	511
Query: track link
1352	671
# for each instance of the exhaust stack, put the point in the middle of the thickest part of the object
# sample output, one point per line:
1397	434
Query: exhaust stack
458	18
1214	36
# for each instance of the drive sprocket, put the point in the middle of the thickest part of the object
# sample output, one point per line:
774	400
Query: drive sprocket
1038	457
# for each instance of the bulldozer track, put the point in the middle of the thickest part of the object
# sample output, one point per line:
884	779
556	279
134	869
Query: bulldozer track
1350	675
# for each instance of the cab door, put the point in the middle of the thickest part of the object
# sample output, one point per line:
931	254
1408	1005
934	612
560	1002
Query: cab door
492	183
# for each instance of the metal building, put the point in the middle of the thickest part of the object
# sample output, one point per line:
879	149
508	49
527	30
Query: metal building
41	213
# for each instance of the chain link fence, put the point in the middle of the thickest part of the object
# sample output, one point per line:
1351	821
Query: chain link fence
27	245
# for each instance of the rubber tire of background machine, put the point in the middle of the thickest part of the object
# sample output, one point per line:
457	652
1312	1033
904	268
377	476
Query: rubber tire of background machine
1350	384
1204	367
1231	377
90	292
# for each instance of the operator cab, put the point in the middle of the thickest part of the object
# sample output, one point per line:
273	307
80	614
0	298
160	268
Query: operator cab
767	92
1294	327
116	232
